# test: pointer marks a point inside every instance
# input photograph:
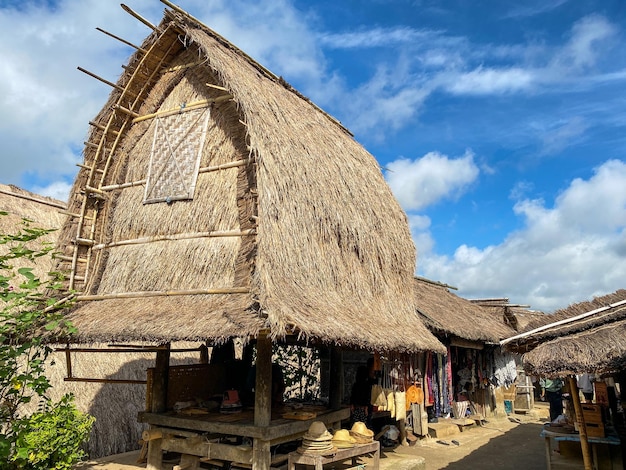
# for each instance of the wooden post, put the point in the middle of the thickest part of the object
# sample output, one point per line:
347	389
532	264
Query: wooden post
159	403
582	427
261	456
159	383
204	354
335	391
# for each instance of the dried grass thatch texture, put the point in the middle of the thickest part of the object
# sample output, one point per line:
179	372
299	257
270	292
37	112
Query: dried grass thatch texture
447	314
600	350
330	257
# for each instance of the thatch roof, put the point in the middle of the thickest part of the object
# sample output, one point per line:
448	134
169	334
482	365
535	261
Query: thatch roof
291	226
585	337
43	212
447	314
516	316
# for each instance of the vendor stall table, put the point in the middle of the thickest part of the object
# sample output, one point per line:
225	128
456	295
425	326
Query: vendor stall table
594	442
340	455
193	435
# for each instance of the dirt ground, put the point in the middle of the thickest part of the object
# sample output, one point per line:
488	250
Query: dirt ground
505	443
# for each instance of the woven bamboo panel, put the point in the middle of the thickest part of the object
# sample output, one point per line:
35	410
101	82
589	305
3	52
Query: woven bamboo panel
175	156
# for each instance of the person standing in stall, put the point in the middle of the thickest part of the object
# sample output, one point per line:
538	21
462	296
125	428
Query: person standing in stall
360	397
552	390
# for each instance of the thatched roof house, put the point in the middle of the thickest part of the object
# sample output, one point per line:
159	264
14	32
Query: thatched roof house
449	315
585	337
215	201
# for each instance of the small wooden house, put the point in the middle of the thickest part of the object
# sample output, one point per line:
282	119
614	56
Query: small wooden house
217	202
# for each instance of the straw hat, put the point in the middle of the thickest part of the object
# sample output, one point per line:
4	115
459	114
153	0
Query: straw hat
361	434
342	439
317	432
360	429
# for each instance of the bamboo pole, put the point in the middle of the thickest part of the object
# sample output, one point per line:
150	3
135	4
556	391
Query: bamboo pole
112	187
582	427
225	166
217	87
104	381
179	236
104	129
69	258
176	68
126	111
93	75
162	293
121	40
181	109
138	16
87	167
206	169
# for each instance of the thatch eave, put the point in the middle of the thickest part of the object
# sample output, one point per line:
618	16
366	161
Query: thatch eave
600	350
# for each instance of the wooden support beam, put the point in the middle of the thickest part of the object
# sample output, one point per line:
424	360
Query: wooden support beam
122	40
70	258
263	384
582	427
160	381
84	241
336	378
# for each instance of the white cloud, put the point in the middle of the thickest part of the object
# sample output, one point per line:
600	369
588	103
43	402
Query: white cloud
424	181
490	81
563	135
577	246
587	38
58	189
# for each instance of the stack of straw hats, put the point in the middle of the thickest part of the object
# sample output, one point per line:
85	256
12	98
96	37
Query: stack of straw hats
361	434
343	440
317	440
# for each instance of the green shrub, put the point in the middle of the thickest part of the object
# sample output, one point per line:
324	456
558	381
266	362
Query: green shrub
51	438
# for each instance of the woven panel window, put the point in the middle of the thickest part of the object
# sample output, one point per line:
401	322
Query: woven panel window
175	156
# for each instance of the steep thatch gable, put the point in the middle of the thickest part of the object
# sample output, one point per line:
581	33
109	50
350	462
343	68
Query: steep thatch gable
285	222
585	337
447	314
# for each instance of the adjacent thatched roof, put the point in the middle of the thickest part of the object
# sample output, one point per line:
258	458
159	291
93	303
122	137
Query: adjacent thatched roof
43	212
447	314
585	337
516	316
291	227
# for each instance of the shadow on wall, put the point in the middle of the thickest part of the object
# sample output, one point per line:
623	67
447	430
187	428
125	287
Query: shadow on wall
115	406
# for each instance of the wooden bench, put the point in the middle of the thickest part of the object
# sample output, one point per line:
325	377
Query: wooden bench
296	458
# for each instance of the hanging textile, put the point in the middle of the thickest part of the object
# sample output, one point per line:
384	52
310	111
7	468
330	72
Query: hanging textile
505	372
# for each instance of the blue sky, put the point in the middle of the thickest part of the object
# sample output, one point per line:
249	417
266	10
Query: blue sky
500	126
